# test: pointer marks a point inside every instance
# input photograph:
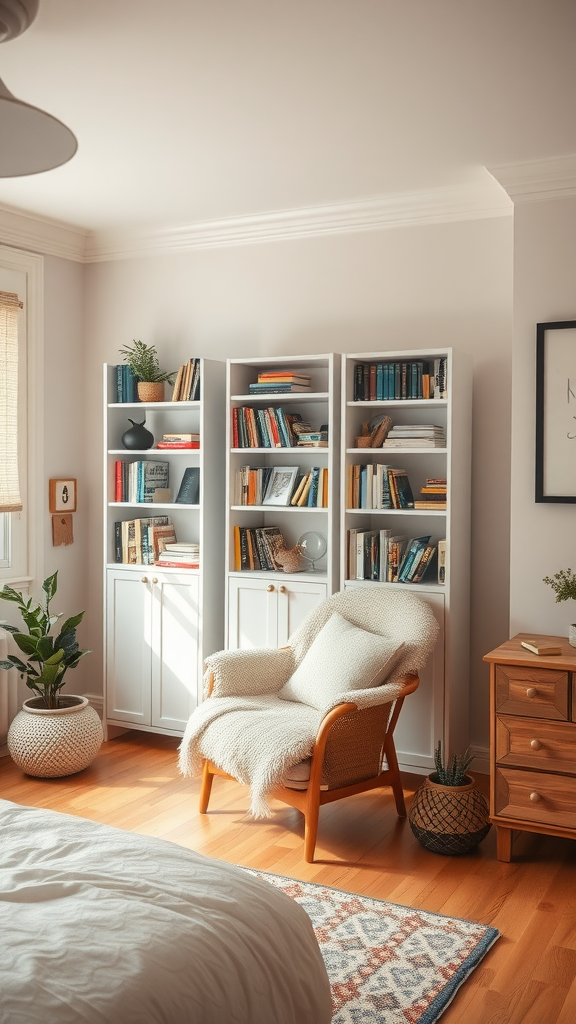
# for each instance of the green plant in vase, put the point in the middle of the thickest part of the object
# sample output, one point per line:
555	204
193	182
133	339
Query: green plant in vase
563	584
144	364
49	656
453	773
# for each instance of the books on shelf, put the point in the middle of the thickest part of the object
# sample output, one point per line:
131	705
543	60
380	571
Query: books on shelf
386	558
126	384
139	541
255	548
308	489
442	561
137	482
264	428
394	381
189	490
179	555
378	487
433	494
187	384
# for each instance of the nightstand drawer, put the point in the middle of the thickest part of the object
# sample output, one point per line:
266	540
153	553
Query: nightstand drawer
533	743
536	796
531	692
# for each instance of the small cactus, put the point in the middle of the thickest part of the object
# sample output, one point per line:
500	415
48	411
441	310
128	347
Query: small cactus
454	773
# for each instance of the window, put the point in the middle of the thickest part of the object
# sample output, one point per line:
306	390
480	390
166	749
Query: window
20	531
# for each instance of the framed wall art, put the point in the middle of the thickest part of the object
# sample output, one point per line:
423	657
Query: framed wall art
62	496
556	411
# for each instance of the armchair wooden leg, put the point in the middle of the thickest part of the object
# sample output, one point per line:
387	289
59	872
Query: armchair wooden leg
396	783
311	824
207	780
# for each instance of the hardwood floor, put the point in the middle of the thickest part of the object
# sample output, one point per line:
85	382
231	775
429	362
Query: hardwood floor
529	977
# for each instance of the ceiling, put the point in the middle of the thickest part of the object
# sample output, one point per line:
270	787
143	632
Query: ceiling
188	111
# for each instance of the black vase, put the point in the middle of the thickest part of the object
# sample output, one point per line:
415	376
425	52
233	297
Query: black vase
137	437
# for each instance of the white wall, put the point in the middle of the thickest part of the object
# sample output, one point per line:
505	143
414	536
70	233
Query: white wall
417	287
542	535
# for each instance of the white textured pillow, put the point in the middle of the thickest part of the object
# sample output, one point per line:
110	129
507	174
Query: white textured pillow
341	658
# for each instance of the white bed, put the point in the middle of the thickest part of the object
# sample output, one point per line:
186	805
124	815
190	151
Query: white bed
102	926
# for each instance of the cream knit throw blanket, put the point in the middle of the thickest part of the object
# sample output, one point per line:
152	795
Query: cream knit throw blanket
251	734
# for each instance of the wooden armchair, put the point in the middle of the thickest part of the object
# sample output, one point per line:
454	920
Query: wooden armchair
354	746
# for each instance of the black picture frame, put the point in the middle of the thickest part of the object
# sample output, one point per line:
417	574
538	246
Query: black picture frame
556	412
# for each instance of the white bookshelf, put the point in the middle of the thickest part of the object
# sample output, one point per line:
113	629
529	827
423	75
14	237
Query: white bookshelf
263	608
440	707
161	622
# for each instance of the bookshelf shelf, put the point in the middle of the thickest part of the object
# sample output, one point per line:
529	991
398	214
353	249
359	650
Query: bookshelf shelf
263	607
162	621
440	707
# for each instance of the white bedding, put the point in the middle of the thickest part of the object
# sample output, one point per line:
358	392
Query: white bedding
102	926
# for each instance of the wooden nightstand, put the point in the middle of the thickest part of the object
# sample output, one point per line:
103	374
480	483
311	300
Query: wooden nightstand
532	741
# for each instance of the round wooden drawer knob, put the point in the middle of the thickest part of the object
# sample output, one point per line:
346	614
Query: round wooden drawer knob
531	691
282	590
270	588
535	744
535	797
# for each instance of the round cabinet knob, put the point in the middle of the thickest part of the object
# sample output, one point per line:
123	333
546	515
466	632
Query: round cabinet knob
283	590
270	588
154	580
144	579
531	691
535	797
535	744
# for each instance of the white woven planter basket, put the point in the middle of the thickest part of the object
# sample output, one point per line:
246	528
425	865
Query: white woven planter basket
51	743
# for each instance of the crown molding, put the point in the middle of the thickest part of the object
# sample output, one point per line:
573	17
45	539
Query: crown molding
36	234
538	180
433	206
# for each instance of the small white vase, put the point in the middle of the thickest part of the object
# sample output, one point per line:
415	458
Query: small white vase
572	635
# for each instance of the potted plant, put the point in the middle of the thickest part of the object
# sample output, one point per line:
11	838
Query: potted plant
143	361
448	814
563	584
54	734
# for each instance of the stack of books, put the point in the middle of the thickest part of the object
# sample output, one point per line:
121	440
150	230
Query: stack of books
280	382
308	438
433	494
179	555
126	384
378	487
416	435
138	481
175	441
187	386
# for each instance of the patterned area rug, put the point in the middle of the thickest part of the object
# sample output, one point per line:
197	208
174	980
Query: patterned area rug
388	964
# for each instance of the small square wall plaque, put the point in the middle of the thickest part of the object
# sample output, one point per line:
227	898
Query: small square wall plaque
62	496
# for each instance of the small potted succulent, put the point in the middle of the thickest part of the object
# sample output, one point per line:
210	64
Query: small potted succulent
563	584
54	734
448	814
143	361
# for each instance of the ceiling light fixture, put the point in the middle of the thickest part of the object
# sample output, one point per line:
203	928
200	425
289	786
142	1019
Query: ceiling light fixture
32	140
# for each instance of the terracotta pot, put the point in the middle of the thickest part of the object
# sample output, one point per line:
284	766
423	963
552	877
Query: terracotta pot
449	819
150	391
52	742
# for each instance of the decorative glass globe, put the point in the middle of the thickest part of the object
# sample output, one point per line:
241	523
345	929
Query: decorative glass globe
312	547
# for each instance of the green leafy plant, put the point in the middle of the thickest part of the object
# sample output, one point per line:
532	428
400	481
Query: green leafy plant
453	774
563	583
49	657
143	361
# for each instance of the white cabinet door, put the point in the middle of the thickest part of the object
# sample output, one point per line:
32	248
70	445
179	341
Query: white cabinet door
252	613
295	603
174	650
129	648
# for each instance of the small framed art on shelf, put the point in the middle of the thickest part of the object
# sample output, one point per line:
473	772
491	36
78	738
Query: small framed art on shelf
62	495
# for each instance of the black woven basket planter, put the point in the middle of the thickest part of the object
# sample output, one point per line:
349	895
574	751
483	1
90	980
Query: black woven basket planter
449	819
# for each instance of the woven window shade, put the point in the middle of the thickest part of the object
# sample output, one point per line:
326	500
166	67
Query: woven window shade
9	487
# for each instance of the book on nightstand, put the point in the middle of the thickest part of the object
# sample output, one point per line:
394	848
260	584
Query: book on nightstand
542	647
